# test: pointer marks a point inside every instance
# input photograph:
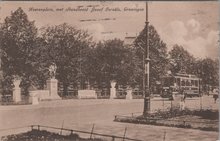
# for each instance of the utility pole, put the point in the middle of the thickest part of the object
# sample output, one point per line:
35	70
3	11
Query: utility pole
146	61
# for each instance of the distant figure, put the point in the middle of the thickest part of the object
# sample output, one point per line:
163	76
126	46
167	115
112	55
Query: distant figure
215	96
52	70
182	101
184	96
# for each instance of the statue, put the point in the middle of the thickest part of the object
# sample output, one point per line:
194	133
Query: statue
16	80
52	70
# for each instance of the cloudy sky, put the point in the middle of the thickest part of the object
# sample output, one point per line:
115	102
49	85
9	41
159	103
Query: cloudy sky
194	25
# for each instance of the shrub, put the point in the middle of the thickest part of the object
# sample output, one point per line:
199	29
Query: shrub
36	135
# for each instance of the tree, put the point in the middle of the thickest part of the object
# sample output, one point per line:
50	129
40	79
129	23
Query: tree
114	61
181	60
67	47
208	70
17	46
157	53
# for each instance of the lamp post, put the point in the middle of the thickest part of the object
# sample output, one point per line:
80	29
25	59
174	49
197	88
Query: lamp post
146	61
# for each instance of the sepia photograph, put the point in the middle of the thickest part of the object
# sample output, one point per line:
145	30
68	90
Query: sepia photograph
109	70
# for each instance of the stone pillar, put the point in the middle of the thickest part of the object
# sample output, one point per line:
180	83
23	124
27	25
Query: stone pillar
178	102
34	97
79	85
129	94
113	90
17	91
52	86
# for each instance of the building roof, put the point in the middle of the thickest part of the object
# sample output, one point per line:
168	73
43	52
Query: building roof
129	40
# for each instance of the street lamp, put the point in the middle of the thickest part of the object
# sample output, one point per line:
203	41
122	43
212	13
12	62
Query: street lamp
146	75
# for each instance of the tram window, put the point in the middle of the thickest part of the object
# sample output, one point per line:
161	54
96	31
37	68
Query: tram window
196	83
178	81
187	83
183	83
186	88
192	82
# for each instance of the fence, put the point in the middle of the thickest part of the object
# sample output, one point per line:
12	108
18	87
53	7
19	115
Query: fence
72	93
90	134
102	93
8	100
65	131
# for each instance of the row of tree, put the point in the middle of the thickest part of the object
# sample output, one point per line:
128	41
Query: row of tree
27	52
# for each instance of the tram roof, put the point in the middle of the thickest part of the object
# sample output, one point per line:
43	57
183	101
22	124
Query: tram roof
182	75
186	75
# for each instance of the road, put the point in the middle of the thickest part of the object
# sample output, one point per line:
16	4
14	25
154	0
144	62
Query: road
82	114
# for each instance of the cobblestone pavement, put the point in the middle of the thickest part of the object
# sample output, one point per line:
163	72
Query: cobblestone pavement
82	114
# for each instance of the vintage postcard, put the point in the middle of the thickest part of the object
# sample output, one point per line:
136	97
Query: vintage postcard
109	70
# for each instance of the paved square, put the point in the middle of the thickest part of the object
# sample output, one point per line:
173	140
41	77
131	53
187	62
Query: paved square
82	114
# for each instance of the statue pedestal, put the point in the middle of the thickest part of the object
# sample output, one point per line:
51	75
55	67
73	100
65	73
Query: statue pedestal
178	102
17	91
113	90
52	86
17	95
34	98
129	94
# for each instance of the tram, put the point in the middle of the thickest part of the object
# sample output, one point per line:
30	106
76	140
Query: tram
189	85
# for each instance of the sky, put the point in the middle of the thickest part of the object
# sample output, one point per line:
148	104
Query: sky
194	25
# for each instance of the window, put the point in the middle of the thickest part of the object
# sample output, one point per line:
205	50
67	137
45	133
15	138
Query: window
193	82
196	83
183	83
178	81
187	83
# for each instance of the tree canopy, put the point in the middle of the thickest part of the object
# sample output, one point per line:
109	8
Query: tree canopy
67	47
117	62
208	70
27	52
181	60
157	52
17	46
